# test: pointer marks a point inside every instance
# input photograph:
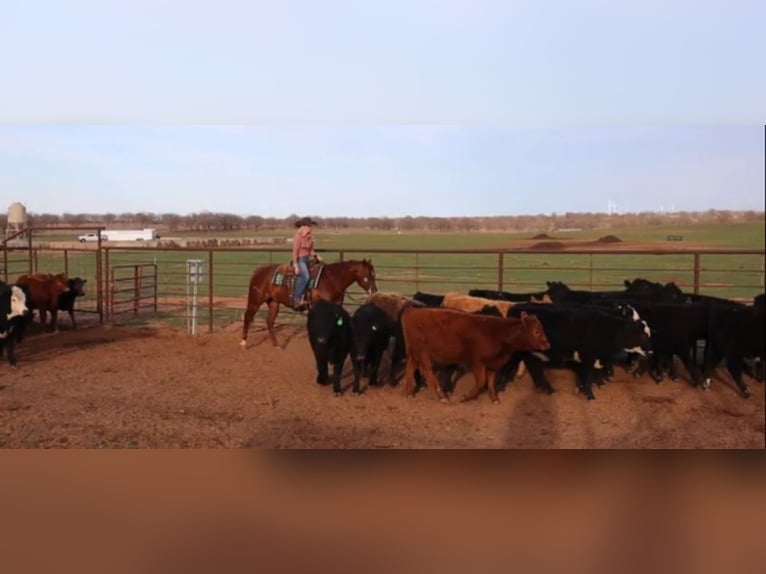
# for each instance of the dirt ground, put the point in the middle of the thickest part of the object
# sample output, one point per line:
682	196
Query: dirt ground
156	387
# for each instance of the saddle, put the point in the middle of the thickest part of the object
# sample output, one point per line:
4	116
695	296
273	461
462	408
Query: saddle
284	275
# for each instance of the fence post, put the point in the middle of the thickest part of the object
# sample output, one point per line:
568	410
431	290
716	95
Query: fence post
590	271
210	288
102	288
66	262
155	286
31	253
341	254
136	289
110	298
696	273
417	271
500	270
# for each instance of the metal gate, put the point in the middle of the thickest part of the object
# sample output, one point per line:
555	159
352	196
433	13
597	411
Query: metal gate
132	288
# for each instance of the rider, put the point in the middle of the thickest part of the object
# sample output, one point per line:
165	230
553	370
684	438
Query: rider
303	250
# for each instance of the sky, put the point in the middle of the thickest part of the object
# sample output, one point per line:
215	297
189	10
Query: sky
347	108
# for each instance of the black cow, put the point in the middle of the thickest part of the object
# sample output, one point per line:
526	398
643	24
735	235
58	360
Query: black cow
736	334
586	336
329	330
13	312
372	330
428	299
66	300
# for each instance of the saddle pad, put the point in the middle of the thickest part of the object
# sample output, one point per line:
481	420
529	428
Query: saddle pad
280	278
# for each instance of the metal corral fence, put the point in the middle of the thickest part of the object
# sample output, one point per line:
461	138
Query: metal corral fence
139	284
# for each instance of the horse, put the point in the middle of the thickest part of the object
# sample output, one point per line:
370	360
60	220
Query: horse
273	284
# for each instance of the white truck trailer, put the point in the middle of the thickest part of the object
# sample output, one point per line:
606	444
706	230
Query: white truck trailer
121	235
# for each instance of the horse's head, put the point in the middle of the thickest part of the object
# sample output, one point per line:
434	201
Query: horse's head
364	274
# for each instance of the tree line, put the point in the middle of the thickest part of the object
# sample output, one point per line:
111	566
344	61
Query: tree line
225	222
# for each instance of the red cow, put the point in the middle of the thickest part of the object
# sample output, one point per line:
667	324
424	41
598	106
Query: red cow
43	291
483	343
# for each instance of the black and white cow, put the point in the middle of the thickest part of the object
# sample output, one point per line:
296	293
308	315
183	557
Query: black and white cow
329	330
587	337
13	313
372	330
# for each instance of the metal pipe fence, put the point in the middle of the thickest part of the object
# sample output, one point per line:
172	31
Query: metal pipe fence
162	275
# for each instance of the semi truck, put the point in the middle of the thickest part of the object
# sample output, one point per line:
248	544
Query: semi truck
122	235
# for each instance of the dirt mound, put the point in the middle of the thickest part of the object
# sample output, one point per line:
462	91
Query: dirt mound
547	245
542	236
608	239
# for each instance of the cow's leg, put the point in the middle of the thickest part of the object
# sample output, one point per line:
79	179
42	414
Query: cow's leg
11	351
54	320
535	368
43	318
491	387
691	368
320	357
409	376
427	370
71	317
480	381
586	376
357	365
337	371
377	357
735	365
397	354
273	310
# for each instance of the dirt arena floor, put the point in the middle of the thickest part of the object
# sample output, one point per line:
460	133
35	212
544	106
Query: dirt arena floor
156	387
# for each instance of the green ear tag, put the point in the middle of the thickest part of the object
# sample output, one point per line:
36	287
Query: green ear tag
340	320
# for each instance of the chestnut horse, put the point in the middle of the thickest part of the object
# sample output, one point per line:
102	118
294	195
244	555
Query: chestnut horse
334	280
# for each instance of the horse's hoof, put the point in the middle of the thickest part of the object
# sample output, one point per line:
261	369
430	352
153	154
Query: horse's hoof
243	343
338	394
496	402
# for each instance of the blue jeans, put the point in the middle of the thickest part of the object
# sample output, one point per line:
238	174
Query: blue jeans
303	278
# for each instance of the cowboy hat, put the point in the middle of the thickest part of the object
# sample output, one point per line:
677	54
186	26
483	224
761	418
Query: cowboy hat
305	221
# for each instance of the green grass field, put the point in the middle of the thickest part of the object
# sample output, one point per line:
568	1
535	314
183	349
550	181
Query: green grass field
736	276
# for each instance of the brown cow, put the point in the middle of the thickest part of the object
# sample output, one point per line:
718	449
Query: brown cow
43	291
471	304
392	303
482	342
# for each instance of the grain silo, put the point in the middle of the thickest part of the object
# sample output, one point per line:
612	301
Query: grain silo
17	219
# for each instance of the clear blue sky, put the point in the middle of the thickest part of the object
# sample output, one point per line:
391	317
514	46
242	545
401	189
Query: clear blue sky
386	108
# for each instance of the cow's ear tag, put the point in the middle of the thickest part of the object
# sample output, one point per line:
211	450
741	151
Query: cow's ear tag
340	320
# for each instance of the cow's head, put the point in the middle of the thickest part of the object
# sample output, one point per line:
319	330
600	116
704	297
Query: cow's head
18	303
534	336
557	290
76	285
327	319
629	312
635	337
368	325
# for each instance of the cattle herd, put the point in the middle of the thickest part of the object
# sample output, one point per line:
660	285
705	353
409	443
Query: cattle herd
44	292
495	335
